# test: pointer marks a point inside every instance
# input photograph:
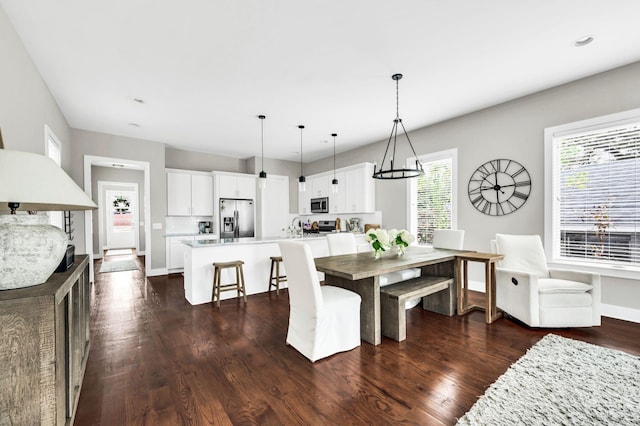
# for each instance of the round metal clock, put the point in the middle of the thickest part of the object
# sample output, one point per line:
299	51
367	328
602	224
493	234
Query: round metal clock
499	187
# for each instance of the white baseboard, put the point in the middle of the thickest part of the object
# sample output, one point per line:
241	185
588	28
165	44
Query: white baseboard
610	311
477	286
156	272
620	312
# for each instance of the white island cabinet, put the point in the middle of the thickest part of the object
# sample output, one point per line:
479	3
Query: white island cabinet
255	252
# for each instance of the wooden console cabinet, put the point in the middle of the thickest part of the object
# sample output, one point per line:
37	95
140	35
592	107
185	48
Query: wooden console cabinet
44	346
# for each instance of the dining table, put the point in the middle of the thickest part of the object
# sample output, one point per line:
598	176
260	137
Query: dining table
361	273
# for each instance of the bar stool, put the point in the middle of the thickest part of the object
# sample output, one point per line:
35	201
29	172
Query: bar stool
238	285
275	261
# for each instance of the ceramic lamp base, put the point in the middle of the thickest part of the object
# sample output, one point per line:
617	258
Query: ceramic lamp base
30	250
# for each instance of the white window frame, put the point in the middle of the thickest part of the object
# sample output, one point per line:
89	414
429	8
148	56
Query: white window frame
412	215
552	191
53	150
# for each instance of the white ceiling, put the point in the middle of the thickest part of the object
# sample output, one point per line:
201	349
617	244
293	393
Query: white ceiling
206	68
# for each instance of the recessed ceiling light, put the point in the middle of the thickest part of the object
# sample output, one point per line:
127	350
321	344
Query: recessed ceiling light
134	124
140	101
583	41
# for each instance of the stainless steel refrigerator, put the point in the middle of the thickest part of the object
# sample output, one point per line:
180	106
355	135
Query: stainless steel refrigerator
237	218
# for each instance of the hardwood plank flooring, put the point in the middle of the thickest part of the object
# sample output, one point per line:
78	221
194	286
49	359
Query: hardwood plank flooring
157	360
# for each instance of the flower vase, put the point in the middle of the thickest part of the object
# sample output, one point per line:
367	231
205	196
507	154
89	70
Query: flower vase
400	249
377	254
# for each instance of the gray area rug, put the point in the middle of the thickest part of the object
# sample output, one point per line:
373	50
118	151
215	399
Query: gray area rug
118	265
561	381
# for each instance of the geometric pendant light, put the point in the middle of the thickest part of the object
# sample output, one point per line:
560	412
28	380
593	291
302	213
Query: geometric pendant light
393	171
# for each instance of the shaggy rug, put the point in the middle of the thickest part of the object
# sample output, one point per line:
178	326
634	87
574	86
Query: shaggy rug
118	265
561	381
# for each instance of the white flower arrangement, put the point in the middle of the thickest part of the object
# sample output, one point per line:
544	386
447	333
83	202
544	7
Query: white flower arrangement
381	240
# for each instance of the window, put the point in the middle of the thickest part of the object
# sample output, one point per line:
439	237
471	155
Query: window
432	197
593	191
53	148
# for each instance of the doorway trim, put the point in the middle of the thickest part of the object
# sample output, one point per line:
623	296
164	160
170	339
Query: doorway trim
127	186
145	166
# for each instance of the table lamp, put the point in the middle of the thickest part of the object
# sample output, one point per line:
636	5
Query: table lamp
30	248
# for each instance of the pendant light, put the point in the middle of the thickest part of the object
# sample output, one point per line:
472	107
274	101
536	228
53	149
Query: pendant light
262	177
392	172
334	182
301	180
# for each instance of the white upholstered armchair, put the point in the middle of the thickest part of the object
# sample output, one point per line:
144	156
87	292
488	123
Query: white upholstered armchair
538	296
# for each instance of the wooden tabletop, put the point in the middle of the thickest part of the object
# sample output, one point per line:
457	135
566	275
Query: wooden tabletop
364	265
481	257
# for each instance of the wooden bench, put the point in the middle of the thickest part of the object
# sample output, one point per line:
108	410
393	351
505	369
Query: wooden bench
393	297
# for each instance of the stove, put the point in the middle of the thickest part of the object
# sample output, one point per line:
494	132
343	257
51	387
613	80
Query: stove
326	225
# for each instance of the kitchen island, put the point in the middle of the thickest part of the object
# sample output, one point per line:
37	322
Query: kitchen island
255	252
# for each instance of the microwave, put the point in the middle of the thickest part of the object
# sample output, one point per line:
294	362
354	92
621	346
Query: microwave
320	205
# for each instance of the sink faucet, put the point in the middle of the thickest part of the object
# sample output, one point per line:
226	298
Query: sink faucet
296	224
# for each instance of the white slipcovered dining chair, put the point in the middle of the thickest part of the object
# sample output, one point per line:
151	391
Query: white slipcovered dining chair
323	320
448	239
538	296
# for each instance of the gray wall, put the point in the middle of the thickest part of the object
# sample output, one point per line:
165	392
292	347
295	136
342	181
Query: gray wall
112	174
120	147
188	160
513	130
26	104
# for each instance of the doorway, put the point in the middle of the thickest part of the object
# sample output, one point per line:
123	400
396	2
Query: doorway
119	210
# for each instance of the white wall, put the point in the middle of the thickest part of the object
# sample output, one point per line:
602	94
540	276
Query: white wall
512	130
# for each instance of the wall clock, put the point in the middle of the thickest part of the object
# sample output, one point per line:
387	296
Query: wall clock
499	187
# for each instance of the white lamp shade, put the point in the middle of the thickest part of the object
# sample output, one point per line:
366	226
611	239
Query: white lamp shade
38	183
31	248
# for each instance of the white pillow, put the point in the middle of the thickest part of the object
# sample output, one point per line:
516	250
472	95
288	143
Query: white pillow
522	253
554	285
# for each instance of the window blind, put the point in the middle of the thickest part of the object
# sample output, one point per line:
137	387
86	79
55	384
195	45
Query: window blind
599	195
434	198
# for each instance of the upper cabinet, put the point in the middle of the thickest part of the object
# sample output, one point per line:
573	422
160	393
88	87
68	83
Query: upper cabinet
273	207
319	186
356	190
235	185
189	193
359	190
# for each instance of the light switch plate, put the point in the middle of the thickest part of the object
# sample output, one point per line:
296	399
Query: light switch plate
157	226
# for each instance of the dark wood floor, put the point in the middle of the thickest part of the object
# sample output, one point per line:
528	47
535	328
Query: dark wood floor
157	360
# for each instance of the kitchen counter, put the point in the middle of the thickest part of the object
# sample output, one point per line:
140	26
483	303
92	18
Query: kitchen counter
242	241
254	252
188	234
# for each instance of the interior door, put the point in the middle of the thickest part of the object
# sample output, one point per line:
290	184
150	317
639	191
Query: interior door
120	211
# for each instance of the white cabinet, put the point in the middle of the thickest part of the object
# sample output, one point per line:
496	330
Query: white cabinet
175	249
235	185
319	186
356	193
338	201
175	252
189	193
201	195
178	194
359	189
273	207
304	200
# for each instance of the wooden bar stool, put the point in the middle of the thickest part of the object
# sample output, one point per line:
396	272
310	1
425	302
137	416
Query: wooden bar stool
275	261
238	285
